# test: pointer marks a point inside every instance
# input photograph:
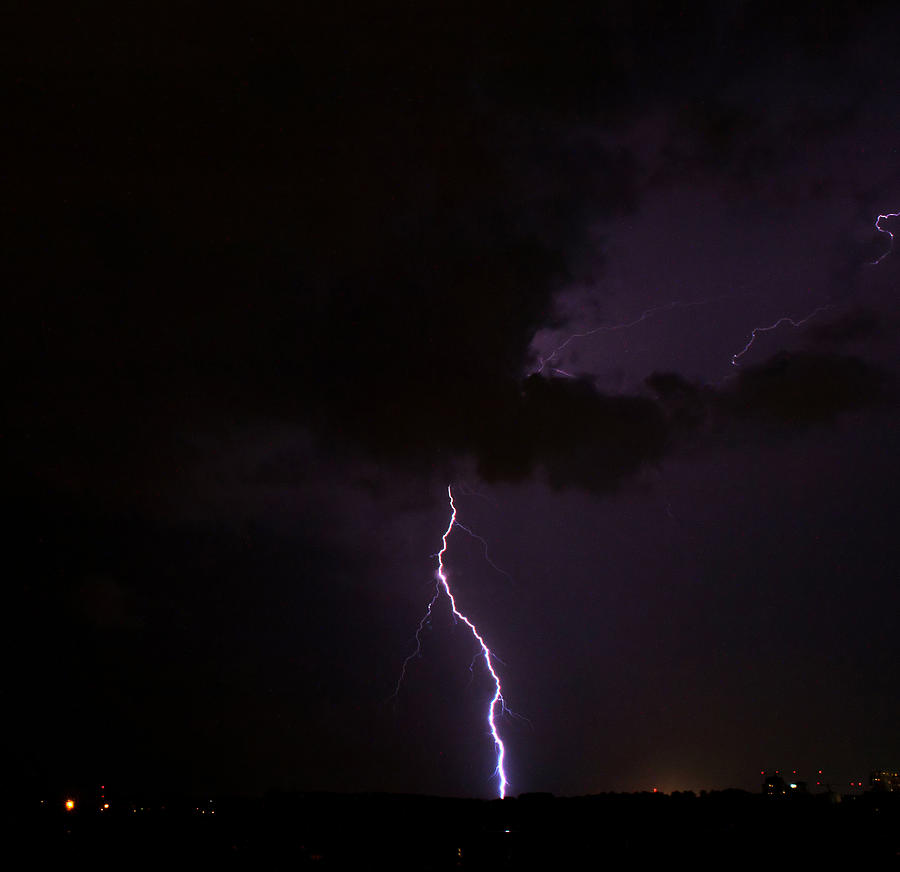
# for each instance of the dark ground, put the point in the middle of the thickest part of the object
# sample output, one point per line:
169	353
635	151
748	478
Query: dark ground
331	831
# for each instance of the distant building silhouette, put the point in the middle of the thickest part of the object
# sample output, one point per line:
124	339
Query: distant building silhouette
775	785
885	781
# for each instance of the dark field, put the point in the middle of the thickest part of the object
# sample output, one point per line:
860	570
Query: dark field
329	831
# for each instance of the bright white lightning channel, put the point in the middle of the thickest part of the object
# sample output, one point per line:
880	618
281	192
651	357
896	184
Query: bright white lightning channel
497	704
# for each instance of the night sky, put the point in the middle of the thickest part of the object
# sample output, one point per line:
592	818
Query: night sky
277	276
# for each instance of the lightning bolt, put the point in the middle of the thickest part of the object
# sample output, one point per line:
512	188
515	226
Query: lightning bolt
881	229
611	328
801	321
667	307
442	586
785	320
742	290
487	557
546	362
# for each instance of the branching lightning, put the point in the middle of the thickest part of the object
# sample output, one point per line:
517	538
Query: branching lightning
497	703
543	362
443	586
881	229
487	557
799	322
546	362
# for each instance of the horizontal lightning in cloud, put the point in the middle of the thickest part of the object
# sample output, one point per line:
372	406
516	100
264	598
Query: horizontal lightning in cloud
746	289
543	362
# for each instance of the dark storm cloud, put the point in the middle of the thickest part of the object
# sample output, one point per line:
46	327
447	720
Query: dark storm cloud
367	256
578	436
573	434
106	603
327	235
856	325
139	629
783	396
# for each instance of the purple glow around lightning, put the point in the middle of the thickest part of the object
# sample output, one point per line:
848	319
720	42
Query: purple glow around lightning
785	320
881	229
546	361
442	585
610	328
487	557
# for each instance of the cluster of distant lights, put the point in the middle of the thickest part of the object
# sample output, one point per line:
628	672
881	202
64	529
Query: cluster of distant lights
70	805
546	362
793	784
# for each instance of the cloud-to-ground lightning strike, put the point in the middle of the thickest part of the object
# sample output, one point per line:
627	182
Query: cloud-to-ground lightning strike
881	229
545	362
442	585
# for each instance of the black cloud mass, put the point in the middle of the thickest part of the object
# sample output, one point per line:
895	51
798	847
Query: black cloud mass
368	259
276	275
364	254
